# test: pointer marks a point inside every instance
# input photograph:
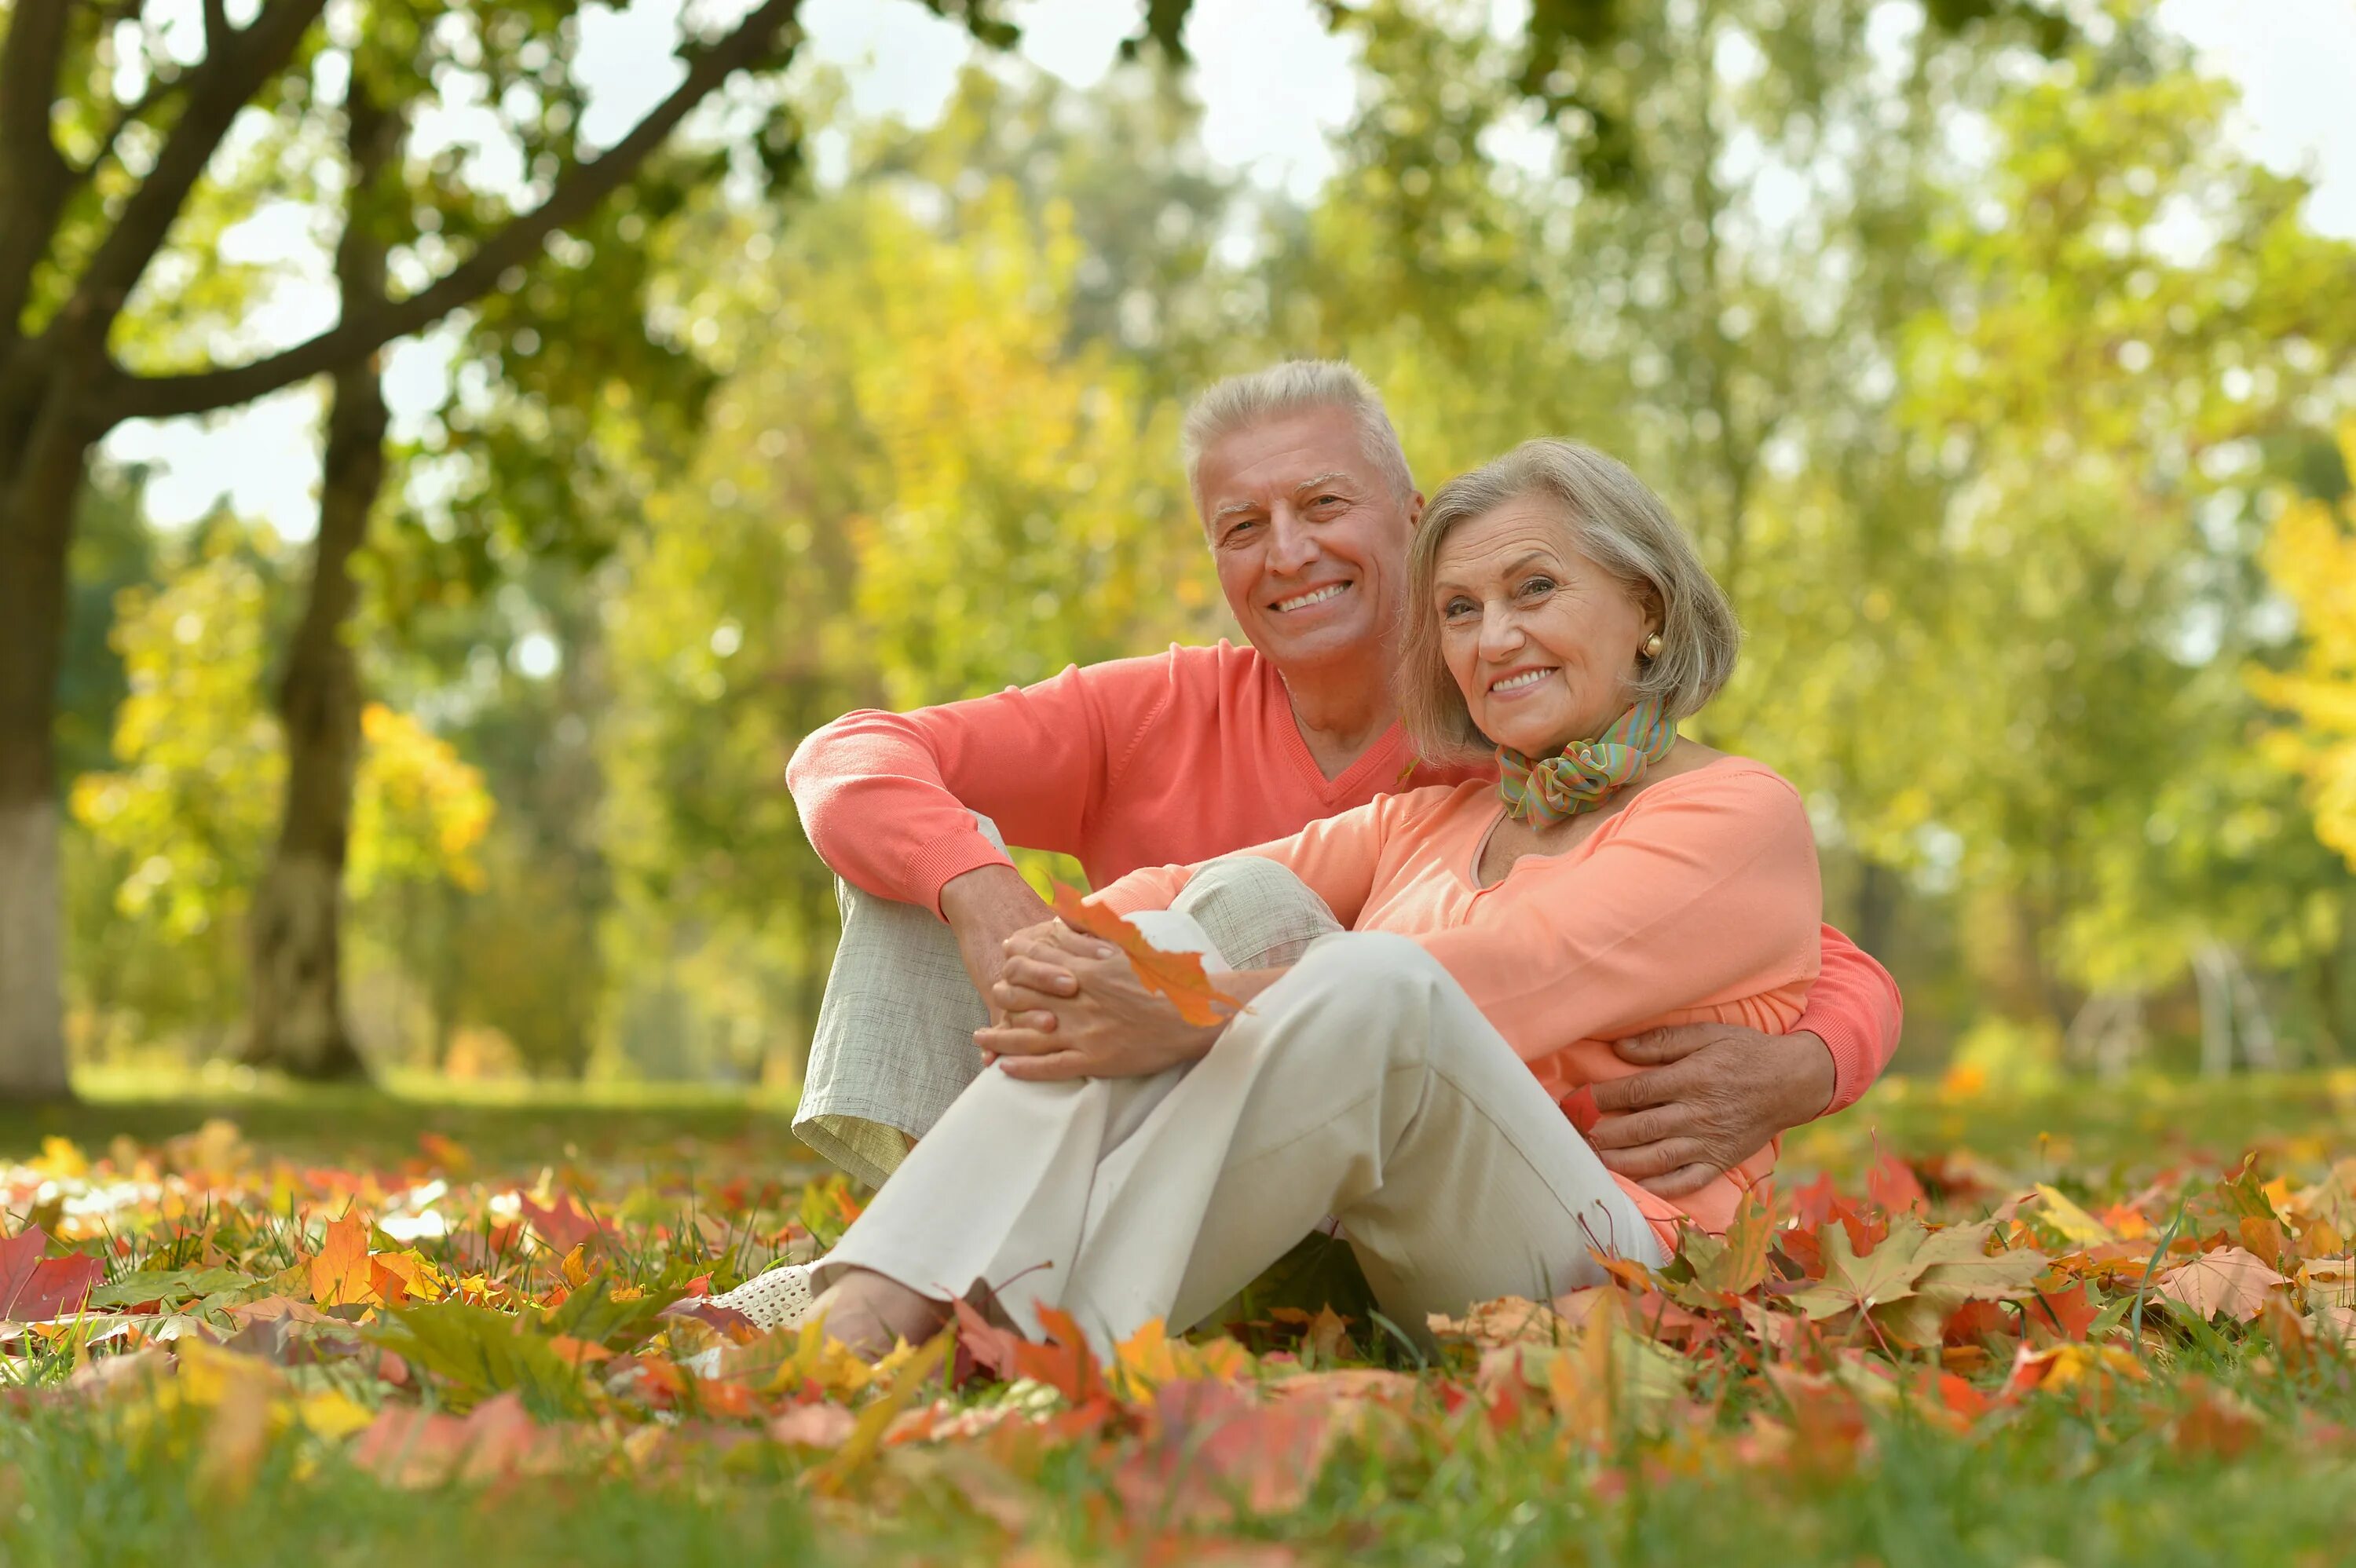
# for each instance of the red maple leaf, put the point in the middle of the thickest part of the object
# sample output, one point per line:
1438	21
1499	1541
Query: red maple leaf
563	1224
34	1288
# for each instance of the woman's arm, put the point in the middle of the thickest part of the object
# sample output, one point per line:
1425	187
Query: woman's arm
1335	857
1706	894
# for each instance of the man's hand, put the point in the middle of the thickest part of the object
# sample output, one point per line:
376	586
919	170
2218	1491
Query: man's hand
984	907
1715	1096
1074	1007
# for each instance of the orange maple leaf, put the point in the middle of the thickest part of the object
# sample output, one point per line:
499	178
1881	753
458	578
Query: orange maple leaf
1177	976
339	1274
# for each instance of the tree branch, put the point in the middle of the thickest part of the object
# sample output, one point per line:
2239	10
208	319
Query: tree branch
578	191
129	115
220	86
33	174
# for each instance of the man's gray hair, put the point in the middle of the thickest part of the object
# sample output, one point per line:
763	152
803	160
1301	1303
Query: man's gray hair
1297	386
1615	522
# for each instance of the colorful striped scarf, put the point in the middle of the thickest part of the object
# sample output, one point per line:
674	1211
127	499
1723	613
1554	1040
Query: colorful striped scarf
1584	773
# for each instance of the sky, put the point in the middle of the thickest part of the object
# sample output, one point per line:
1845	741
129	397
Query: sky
1274	83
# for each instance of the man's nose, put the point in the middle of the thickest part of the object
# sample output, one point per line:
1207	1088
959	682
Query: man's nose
1292	546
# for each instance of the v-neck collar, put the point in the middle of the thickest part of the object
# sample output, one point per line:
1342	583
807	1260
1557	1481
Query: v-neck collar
1380	764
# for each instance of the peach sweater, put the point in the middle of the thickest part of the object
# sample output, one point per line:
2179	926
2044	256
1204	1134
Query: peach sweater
1699	900
1181	756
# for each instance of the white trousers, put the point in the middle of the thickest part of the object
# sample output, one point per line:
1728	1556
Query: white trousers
1365	1085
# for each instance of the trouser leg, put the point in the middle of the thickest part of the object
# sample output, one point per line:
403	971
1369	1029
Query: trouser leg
893	1045
1365	1085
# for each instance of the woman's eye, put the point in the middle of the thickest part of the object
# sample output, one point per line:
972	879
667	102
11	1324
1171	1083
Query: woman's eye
1458	607
1537	585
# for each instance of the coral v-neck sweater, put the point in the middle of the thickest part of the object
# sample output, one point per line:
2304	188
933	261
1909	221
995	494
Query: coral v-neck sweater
1172	758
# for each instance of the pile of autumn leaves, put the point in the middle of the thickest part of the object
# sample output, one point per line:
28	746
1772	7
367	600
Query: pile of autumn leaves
429	1328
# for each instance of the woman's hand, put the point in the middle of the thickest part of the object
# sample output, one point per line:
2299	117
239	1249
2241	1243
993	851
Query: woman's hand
1073	1007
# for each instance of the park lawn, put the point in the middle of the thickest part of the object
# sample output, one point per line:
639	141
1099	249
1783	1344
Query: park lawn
316	1407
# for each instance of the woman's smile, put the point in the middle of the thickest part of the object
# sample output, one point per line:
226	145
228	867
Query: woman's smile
1518	683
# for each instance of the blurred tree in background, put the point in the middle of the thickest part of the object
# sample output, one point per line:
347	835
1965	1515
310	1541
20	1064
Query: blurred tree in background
2000	390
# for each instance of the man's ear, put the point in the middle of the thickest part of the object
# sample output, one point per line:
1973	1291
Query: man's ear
1414	509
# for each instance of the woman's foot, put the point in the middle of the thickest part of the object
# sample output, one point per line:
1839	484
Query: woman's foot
777	1299
869	1314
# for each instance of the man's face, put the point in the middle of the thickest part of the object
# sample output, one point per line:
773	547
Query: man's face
1310	541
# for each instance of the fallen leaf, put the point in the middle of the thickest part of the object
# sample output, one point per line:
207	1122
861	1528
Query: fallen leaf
1177	976
813	1426
34	1288
2229	1280
339	1274
1211	1453
563	1224
1892	1185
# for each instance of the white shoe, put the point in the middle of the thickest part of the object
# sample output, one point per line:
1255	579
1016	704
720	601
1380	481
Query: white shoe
777	1299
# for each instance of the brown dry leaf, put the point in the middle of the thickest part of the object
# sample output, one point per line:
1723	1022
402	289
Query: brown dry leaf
1507	1320
2230	1280
1177	976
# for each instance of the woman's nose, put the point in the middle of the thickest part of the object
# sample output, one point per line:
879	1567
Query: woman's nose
1501	634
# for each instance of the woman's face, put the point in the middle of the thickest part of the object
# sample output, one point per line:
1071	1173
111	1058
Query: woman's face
1542	641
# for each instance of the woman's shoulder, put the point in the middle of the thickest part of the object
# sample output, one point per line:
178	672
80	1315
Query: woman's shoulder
1725	781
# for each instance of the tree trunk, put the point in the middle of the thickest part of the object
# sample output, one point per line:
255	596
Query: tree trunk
297	923
40	478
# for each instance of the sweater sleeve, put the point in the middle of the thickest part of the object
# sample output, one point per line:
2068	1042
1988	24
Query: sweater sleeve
1706	894
888	799
1855	1008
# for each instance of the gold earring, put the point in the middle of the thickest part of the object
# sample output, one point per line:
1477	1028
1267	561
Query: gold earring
1652	646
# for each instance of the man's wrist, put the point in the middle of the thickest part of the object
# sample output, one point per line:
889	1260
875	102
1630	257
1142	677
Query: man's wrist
1816	1076
984	887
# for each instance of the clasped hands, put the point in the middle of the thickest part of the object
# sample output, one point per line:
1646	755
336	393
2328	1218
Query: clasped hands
1069	1005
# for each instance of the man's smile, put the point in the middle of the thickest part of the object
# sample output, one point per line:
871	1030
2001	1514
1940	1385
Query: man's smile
1313	596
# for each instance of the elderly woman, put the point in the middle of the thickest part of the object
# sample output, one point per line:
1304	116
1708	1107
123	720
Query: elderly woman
1463	955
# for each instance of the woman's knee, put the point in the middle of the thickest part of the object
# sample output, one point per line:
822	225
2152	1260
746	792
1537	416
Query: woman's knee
1357	992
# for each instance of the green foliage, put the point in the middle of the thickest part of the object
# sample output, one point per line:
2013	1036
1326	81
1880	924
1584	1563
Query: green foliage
177	831
1972	351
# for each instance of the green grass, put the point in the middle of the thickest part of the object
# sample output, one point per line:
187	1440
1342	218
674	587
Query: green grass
2127	1480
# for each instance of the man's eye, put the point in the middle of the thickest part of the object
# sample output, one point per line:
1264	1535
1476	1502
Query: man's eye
1539	585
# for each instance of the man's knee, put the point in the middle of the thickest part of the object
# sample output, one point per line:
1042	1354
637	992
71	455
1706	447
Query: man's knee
1256	910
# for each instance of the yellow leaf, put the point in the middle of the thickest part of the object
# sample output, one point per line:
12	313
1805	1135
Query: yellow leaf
332	1414
2073	1223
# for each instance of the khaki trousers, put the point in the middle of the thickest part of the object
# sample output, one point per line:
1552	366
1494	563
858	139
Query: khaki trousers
1364	1084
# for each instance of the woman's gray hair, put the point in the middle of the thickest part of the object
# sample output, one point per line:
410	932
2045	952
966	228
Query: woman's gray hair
1615	522
1295	387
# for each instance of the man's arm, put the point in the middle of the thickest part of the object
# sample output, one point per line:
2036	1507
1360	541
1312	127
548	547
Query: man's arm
1716	1092
889	799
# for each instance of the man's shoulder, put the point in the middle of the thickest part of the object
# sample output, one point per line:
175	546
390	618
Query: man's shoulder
1187	670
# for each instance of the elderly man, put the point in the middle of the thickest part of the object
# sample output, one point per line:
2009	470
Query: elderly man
1308	506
